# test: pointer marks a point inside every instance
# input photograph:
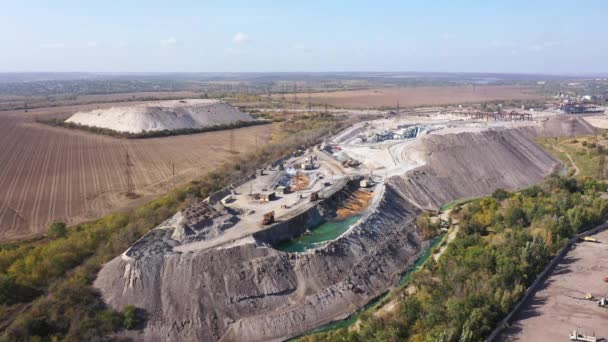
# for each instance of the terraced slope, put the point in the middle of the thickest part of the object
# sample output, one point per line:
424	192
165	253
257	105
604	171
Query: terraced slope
246	289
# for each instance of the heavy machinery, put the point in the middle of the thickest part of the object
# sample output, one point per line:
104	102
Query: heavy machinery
351	163
576	336
590	239
603	302
268	218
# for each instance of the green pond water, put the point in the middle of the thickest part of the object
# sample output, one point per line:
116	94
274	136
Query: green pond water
319	236
405	279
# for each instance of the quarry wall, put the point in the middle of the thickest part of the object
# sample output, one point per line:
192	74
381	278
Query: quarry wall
253	291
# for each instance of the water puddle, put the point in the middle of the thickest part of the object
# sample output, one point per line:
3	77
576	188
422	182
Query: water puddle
318	236
375	303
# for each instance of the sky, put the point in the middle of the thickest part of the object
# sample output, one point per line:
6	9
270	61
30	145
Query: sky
515	36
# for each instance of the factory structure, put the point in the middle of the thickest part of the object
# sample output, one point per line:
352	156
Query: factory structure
586	104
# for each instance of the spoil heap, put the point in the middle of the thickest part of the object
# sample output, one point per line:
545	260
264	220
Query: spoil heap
566	125
245	289
474	164
164	115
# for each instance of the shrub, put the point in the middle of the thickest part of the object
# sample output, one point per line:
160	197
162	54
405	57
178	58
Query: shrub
500	194
57	230
130	319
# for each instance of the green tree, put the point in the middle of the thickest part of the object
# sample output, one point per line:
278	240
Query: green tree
131	318
57	230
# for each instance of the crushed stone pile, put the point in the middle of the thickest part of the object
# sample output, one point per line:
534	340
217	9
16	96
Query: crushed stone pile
251	291
475	164
566	125
162	115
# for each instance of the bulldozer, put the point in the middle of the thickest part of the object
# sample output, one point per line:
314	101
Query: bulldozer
268	218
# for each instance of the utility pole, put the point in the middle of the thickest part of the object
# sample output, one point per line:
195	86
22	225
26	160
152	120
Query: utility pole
130	186
232	141
309	102
572	126
602	167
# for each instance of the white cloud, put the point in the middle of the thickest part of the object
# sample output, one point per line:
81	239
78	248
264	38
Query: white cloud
240	37
169	41
544	45
52	46
92	43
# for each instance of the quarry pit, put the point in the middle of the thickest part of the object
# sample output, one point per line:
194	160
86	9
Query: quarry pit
222	270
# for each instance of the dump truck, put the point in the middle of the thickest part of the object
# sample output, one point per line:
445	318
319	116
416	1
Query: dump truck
268	218
576	336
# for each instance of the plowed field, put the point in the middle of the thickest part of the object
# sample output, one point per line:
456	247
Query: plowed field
51	173
419	96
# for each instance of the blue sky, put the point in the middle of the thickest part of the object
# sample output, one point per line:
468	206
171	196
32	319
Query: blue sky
383	35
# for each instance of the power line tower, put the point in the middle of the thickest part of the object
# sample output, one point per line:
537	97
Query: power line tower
602	166
173	176
130	185
309	102
232	141
572	127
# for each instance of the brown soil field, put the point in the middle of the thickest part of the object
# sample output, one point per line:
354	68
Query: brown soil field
49	173
419	96
13	102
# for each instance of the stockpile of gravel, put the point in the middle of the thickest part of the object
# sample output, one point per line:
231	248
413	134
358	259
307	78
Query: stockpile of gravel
162	115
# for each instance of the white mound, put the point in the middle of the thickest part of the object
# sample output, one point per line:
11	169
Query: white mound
162	115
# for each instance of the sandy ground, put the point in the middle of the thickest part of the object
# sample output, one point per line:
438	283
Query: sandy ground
599	121
52	173
560	306
418	96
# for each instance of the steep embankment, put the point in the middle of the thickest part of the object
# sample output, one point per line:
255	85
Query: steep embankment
164	115
474	164
249	290
266	294
565	125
